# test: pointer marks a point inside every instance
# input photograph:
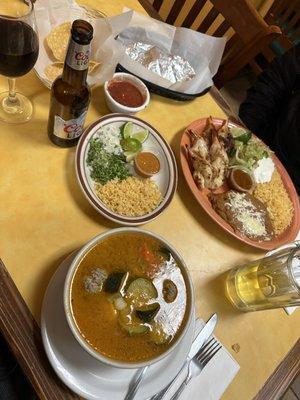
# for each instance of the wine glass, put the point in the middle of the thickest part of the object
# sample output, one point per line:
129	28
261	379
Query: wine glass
19	48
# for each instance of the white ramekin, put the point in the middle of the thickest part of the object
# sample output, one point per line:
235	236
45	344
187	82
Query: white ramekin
116	107
67	301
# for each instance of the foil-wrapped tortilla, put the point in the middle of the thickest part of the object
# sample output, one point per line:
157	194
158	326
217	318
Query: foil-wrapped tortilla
169	66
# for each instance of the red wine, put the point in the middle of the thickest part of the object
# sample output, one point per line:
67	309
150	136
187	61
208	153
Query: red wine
19	47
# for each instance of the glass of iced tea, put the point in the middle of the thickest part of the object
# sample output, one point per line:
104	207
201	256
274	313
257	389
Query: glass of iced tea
19	49
270	282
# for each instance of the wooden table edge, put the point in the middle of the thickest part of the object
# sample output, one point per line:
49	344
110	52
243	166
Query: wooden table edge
277	384
23	336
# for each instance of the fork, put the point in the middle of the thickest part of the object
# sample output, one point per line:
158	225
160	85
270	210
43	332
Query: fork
207	352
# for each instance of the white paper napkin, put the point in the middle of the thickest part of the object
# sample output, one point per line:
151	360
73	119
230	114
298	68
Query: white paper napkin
203	52
213	379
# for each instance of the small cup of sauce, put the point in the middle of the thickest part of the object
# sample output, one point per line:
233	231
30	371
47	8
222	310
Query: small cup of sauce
146	164
126	93
241	179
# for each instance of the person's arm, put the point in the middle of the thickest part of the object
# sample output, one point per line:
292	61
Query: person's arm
262	106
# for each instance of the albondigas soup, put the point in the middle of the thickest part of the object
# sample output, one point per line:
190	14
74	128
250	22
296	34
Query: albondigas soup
129	297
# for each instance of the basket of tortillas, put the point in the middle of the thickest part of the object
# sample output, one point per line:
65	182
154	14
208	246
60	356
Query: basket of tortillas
54	19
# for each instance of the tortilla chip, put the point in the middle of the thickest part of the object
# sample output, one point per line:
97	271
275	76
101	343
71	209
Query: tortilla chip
52	71
93	65
58	40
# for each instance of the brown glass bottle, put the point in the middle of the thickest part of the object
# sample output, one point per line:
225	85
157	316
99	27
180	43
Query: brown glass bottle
70	93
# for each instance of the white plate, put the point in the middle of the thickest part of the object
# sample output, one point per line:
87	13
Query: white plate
82	373
166	178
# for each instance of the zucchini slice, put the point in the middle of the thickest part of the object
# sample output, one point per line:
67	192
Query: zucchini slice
115	282
140	292
129	324
135	329
147	314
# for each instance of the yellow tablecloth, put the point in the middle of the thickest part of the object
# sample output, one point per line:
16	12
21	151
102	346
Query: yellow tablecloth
44	216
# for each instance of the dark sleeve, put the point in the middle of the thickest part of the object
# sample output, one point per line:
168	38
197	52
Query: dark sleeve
265	99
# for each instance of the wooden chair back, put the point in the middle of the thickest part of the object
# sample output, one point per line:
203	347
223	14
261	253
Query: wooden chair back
237	20
286	14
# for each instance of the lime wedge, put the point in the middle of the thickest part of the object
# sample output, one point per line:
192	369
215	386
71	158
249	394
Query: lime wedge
130	144
141	136
129	155
236	132
127	130
245	137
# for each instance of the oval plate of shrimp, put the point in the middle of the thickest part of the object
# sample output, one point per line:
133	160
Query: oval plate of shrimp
205	158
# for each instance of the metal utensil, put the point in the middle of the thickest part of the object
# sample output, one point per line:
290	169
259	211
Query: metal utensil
136	383
196	365
93	13
198	342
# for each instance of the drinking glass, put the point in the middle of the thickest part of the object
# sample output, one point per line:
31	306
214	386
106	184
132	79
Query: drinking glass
270	282
19	48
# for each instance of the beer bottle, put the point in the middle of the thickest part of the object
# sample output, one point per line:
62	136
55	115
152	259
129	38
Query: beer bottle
70	93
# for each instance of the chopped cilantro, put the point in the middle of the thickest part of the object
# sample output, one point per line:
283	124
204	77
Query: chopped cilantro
105	166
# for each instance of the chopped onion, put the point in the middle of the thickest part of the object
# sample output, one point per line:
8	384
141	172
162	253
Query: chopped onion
120	303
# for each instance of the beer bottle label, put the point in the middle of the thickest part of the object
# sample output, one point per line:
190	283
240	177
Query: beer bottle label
78	55
69	129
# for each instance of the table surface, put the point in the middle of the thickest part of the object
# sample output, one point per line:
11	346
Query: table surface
44	216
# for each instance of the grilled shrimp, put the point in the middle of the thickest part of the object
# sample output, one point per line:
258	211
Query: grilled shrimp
208	157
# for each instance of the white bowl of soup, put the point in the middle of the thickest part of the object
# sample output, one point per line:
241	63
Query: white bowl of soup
128	298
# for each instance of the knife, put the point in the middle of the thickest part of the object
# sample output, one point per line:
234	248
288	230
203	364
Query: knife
198	342
202	336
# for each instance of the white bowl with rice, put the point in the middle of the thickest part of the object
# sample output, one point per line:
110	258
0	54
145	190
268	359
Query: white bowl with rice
130	200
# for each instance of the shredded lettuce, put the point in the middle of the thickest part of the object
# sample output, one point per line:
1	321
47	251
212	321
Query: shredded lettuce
248	154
